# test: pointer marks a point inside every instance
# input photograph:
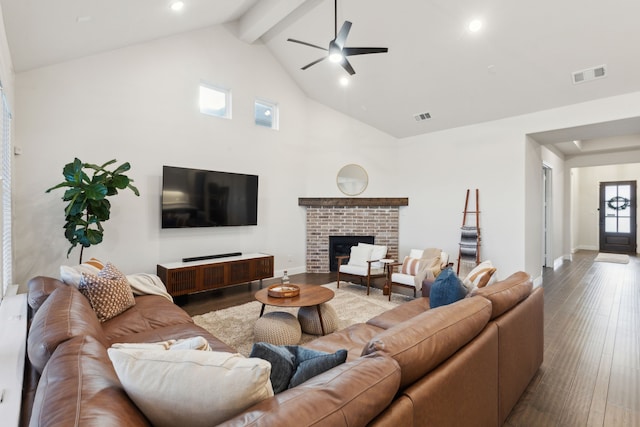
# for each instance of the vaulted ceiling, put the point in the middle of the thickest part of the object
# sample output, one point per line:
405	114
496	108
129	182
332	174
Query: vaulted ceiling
520	61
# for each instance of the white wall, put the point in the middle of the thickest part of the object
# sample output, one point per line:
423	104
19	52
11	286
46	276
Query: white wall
6	66
588	184
139	104
499	159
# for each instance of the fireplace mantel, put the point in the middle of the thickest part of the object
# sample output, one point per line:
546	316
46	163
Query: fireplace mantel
353	201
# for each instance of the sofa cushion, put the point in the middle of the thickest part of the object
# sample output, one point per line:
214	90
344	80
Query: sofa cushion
64	315
425	341
351	394
175	332
292	365
507	293
108	292
352	338
446	289
400	313
79	387
149	312
195	388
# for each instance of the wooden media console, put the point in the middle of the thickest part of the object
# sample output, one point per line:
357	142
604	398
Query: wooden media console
182	278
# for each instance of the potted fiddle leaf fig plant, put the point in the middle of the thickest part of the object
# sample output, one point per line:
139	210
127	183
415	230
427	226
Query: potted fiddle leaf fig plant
89	205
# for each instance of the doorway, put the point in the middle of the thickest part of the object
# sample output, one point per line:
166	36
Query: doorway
618	216
547	252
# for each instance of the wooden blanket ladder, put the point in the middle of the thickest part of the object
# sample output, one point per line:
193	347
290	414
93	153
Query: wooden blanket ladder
469	252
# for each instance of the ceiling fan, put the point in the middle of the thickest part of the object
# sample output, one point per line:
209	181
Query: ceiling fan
337	52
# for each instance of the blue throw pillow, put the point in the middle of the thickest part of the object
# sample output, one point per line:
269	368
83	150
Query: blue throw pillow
311	363
446	289
283	363
292	365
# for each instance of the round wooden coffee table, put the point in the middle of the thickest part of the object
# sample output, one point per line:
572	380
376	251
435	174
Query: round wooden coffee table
310	295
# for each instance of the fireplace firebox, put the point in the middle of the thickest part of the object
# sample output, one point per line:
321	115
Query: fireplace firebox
341	245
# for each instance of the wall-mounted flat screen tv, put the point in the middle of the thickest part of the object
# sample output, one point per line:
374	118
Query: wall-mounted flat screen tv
202	198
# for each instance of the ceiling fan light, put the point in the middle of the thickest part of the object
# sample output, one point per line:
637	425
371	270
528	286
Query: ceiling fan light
336	57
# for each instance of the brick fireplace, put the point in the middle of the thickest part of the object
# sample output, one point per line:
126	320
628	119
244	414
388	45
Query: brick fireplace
351	216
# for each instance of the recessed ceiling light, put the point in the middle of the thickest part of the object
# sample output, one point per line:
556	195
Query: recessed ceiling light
177	5
475	25
344	81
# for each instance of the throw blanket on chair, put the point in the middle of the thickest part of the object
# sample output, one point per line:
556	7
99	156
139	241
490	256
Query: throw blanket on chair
429	266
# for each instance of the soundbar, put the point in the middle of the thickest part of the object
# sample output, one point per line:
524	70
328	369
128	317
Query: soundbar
200	258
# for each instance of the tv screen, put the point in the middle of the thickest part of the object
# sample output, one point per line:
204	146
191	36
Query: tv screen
202	198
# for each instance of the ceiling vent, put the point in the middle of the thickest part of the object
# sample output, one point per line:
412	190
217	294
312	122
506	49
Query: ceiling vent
422	116
589	74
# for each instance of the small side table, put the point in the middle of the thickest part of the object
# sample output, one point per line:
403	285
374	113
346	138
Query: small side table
387	262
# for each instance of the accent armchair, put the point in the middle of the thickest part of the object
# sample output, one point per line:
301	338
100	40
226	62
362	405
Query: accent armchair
364	262
418	266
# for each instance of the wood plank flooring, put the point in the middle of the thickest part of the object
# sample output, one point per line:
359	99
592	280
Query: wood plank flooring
591	370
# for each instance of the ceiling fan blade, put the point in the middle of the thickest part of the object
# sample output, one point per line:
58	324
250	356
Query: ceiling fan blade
341	38
349	51
313	63
307	44
347	66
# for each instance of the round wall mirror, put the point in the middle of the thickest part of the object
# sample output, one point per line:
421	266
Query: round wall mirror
352	180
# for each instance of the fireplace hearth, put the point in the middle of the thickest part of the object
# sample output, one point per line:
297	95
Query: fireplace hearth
341	245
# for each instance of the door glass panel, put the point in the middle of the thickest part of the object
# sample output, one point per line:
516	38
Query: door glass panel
624	225
610	225
624	191
610	193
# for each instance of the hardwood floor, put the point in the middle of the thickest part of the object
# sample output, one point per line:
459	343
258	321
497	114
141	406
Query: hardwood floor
591	370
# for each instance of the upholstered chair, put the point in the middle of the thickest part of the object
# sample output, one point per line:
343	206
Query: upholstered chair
363	262
419	266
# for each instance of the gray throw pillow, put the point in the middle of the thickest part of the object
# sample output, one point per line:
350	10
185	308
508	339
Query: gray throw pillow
292	365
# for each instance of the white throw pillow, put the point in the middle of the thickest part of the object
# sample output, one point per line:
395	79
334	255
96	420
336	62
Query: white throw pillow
377	251
191	388
416	253
193	343
72	275
482	275
359	256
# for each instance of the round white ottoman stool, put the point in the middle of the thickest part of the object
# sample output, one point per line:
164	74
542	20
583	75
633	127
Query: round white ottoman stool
278	328
310	322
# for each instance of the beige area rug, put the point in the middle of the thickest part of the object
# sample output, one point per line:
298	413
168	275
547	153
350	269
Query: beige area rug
234	325
616	258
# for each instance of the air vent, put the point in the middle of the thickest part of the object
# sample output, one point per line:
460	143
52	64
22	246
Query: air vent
422	116
589	74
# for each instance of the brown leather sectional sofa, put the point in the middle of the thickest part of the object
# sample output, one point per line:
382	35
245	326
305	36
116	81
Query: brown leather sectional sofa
462	364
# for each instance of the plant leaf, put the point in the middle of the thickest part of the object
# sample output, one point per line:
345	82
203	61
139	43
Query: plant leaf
122	168
93	237
96	191
134	189
120	181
